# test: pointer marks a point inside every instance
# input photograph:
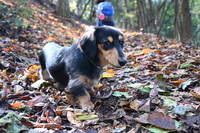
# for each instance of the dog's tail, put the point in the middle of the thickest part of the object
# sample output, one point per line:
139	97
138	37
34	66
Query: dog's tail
42	60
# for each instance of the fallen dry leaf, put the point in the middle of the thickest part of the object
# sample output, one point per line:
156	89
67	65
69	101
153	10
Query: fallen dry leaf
32	73
18	105
193	121
82	116
72	120
48	125
142	118
136	104
178	82
37	101
161	120
109	73
145	107
105	130
99	86
195	92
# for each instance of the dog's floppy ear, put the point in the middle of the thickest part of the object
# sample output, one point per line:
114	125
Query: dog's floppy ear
88	43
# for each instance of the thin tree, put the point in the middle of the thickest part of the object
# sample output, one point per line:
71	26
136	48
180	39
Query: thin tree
182	21
62	8
84	9
186	22
143	17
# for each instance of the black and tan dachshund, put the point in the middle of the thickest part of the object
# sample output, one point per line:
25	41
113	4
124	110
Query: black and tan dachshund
79	67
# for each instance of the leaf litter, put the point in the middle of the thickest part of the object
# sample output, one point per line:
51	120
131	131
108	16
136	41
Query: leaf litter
158	89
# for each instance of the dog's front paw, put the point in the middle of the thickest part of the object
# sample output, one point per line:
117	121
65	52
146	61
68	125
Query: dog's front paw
89	106
85	103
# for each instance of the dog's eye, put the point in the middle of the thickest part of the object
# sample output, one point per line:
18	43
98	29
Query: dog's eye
107	45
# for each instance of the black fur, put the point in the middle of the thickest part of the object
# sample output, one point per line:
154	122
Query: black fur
66	64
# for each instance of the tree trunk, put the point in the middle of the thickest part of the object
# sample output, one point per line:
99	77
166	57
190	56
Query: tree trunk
182	22
91	11
152	20
84	9
62	8
165	7
186	22
142	16
177	31
126	22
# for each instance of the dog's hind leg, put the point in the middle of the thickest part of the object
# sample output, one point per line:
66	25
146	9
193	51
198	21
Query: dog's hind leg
44	74
60	76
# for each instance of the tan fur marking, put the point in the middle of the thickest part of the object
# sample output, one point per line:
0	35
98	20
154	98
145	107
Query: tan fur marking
85	79
109	56
110	39
85	102
103	61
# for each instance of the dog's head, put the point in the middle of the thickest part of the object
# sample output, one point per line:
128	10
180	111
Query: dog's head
105	45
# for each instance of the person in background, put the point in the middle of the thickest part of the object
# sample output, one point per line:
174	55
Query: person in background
104	12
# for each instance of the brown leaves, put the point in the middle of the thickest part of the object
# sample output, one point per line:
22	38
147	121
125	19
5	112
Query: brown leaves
17	105
37	101
195	92
32	73
81	119
48	125
161	120
52	39
110	73
178	82
193	121
133	89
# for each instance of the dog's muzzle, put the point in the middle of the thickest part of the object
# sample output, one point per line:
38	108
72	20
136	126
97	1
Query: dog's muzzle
122	61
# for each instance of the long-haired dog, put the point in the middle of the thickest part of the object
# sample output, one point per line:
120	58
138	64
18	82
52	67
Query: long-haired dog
79	67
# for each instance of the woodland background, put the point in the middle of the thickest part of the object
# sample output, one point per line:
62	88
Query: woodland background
158	90
178	19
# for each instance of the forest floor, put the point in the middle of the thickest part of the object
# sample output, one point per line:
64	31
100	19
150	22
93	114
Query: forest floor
157	91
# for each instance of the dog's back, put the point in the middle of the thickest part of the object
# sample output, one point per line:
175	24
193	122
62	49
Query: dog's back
79	67
51	60
53	52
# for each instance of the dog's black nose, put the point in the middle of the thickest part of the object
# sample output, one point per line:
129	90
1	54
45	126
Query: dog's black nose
122	61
